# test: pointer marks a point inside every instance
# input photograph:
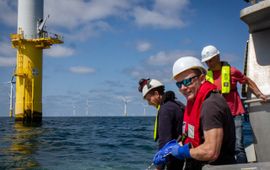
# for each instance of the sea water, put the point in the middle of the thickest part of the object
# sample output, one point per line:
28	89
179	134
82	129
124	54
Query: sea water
80	143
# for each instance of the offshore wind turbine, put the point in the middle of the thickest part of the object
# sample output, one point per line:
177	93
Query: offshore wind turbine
11	96
11	82
125	100
87	107
30	40
144	108
73	109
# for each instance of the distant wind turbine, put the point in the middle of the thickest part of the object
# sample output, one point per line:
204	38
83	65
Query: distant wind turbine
144	108
11	82
73	108
87	107
126	101
11	96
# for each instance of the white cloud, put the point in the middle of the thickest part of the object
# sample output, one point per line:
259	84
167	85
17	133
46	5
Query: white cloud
88	30
93	16
145	17
171	7
164	58
165	14
7	61
143	46
59	51
81	70
158	66
8	12
6	49
66	13
163	73
135	73
7	55
186	41
159	58
81	19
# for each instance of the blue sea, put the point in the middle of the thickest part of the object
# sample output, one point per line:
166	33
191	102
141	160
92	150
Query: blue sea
80	143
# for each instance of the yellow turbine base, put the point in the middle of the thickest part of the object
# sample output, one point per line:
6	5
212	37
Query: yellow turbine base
29	118
28	103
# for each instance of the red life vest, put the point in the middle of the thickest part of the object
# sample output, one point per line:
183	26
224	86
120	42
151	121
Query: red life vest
191	124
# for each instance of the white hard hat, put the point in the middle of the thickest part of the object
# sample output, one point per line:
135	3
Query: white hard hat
186	63
151	84
209	52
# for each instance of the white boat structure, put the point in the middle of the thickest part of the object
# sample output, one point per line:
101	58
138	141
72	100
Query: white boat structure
257	67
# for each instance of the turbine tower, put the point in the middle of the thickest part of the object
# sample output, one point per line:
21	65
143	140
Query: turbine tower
125	100
10	94
11	82
30	40
73	109
144	108
87	107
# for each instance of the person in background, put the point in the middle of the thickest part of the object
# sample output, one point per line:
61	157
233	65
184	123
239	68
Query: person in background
169	118
208	135
225	77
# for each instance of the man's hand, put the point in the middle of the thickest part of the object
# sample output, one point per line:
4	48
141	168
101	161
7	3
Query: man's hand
180	152
263	97
160	157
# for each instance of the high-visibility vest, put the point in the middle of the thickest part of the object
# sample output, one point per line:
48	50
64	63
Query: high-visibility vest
225	78
156	125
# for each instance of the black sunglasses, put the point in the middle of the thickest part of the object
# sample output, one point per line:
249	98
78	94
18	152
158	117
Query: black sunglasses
185	82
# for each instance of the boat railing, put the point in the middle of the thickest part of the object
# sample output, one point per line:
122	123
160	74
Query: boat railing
256	100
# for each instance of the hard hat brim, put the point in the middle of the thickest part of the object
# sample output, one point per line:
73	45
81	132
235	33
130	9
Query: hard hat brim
197	67
209	58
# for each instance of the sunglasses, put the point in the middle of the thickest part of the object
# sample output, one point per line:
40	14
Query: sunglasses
186	82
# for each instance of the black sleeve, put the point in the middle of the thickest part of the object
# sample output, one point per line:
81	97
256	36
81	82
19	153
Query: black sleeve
170	121
212	113
164	127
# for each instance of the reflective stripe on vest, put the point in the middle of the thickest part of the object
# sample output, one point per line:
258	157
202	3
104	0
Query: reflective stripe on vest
225	78
209	76
156	125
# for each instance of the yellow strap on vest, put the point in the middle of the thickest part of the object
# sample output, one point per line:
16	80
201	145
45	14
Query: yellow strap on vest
209	76
225	78
156	125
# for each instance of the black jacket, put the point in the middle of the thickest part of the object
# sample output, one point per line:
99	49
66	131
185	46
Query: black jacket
170	119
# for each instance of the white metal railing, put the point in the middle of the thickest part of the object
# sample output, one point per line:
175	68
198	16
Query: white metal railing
256	100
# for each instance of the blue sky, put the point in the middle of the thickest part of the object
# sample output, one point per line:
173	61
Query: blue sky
110	44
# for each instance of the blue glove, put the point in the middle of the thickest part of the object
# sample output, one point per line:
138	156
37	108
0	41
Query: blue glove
160	157
180	152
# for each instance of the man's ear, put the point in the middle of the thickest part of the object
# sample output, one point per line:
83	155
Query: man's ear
156	92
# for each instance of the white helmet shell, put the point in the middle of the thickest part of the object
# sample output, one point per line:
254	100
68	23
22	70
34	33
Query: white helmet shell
209	52
151	84
186	63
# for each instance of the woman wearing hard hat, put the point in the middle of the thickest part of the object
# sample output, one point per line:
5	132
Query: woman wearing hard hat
208	132
169	119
